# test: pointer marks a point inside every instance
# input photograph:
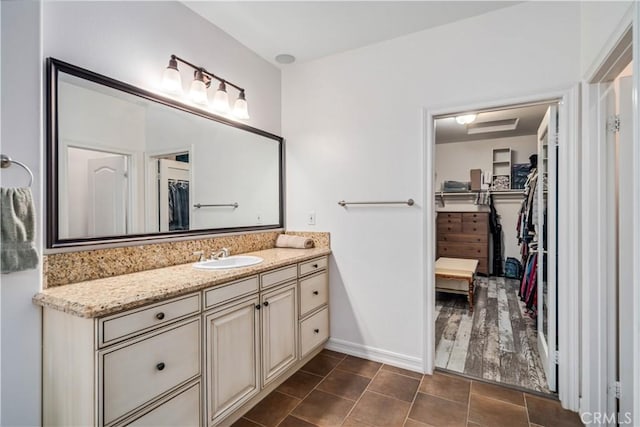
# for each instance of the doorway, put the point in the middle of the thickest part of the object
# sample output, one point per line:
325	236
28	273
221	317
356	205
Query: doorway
495	184
169	207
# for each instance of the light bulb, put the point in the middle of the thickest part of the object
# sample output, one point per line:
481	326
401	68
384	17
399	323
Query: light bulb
198	91
221	99
466	119
240	107
171	80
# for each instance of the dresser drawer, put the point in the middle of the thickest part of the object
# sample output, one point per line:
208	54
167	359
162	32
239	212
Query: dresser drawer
455	227
448	220
475	228
179	409
276	277
314	331
309	267
221	294
462	250
135	372
475	217
464	238
449	215
314	292
120	326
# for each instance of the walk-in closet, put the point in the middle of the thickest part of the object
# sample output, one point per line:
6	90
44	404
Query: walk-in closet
495	282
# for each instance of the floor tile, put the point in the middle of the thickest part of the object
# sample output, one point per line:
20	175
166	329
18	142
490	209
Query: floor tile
490	412
352	422
243	422
414	423
360	366
496	392
292	421
323	409
548	412
299	384
401	371
379	410
321	365
332	353
446	386
272	409
344	384
394	385
435	411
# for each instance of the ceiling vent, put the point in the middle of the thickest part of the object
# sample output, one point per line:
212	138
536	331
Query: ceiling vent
494	126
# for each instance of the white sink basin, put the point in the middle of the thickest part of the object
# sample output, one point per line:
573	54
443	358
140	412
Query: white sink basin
235	261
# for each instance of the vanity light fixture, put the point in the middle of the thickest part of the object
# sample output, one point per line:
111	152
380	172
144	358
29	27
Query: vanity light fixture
172	83
466	119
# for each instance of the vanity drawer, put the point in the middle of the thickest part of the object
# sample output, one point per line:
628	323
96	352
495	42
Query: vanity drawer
133	373
221	294
179	409
120	326
276	277
314	292
309	267
314	331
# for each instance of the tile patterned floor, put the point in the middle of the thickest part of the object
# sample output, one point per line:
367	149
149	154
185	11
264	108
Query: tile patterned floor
334	389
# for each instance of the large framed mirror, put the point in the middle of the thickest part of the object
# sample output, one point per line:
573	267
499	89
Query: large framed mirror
126	164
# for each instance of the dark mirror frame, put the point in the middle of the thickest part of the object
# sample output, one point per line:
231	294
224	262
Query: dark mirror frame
54	66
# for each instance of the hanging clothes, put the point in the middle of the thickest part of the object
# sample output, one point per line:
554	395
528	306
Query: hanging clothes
178	205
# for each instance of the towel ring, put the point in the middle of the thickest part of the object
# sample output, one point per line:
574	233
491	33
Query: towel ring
5	162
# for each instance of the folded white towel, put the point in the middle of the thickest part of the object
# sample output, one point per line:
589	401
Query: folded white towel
298	242
18	230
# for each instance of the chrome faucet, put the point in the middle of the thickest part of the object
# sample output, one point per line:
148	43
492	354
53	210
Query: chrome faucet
222	253
200	255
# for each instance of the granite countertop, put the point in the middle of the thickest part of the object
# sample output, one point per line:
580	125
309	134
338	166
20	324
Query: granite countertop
97	298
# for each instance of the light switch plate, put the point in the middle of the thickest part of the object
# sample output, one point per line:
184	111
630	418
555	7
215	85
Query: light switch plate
311	218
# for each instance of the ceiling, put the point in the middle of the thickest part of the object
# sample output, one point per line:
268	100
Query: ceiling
313	29
448	130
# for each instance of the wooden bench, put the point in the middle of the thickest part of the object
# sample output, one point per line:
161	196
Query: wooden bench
456	276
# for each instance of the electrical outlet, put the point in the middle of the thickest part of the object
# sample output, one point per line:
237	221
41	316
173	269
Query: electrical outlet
311	218
259	219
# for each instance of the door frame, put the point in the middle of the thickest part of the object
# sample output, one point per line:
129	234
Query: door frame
595	353
568	231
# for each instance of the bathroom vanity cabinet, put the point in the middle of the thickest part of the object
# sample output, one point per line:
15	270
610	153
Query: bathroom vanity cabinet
199	359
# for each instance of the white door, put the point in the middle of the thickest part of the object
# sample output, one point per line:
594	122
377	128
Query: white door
546	189
279	332
232	361
107	198
171	171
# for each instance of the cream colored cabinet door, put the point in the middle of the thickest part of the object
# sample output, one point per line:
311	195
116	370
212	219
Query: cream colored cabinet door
279	331
232	361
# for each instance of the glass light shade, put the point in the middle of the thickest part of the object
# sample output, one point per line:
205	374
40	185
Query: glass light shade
221	99
171	81
241	109
198	92
466	119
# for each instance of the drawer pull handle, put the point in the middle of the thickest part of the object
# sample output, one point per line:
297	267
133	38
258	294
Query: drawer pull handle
160	316
315	266
316	331
266	303
315	292
258	306
160	366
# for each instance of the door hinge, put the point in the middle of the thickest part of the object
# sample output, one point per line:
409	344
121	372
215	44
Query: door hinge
556	357
613	124
616	389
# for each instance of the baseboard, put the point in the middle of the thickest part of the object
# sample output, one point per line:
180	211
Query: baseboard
377	355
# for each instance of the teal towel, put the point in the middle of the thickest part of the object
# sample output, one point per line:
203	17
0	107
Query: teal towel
18	224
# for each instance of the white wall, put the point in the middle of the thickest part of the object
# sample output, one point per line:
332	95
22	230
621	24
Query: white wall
453	161
599	20
353	123
21	138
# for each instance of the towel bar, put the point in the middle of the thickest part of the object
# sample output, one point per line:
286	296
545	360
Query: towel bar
409	202
232	205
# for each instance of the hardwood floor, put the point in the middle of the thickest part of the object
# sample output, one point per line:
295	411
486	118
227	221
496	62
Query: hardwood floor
496	343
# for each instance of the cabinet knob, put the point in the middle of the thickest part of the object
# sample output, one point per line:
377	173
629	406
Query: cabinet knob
315	292
266	303
160	366
258	306
316	331
160	316
315	266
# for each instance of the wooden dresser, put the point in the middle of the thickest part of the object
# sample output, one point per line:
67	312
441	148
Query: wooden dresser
464	235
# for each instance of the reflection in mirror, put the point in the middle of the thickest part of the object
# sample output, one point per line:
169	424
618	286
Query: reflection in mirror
130	163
